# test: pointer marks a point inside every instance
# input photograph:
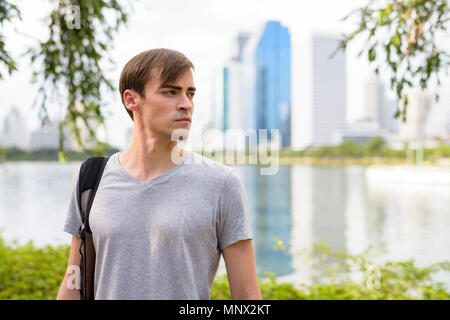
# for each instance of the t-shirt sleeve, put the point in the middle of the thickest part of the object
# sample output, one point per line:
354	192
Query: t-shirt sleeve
73	218
234	216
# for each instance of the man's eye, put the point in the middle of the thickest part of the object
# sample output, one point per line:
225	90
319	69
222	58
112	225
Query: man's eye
191	94
170	92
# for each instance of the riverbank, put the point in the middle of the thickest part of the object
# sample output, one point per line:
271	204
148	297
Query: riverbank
335	162
14	155
346	154
282	160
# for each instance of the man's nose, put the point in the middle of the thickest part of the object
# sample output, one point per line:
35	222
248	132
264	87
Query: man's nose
185	103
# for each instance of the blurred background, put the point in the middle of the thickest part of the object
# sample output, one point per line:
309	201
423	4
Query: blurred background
352	173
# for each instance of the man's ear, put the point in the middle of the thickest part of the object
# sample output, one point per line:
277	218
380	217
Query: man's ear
130	99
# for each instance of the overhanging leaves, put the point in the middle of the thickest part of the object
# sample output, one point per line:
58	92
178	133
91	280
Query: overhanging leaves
8	12
69	64
401	37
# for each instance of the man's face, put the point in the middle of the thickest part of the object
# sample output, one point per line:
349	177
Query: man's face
162	106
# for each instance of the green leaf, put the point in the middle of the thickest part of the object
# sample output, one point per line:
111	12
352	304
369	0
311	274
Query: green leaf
371	54
395	40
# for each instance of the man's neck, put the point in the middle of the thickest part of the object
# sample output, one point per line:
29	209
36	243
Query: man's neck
149	157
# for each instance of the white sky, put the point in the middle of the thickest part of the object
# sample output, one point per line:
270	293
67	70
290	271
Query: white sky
202	29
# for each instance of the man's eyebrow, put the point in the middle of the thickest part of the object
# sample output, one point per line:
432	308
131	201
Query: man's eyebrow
170	86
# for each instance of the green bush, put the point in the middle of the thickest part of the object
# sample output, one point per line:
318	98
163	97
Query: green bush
376	146
441	151
27	272
346	149
324	152
389	281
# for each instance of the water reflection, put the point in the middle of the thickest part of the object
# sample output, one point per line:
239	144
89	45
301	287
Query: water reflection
269	199
302	205
33	200
414	220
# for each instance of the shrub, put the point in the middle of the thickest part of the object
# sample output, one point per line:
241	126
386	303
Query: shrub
27	272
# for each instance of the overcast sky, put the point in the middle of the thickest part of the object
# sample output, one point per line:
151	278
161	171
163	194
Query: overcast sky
202	29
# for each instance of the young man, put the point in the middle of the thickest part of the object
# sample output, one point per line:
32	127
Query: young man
162	216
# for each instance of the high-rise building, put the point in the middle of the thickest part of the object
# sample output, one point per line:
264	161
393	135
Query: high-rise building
320	107
438	120
375	108
273	81
257	82
233	87
15	133
99	131
392	122
419	105
47	137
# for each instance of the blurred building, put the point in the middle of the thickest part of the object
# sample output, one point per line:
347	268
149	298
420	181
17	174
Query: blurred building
273	81
216	113
320	110
47	137
375	107
419	105
98	129
377	119
233	87
15	133
392	123
359	132
437	125
257	82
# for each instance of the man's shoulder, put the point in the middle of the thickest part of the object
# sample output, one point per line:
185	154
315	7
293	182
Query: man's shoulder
204	166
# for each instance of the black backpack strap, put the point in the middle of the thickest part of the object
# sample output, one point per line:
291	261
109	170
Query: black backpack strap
91	172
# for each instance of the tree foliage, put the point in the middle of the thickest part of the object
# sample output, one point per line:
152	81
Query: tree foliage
402	35
8	12
69	65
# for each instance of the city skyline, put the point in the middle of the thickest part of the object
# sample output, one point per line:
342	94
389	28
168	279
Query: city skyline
205	40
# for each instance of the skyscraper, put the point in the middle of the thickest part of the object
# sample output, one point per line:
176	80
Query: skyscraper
15	133
320	108
375	107
98	128
233	86
392	122
47	137
438	120
273	81
257	82
419	105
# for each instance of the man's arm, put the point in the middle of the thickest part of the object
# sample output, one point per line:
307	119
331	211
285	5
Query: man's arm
64	292
240	263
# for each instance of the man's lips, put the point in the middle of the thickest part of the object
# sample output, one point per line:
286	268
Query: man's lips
184	119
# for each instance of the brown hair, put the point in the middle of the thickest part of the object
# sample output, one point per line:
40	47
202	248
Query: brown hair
137	71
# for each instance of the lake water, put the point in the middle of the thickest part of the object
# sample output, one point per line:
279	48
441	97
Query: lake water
302	205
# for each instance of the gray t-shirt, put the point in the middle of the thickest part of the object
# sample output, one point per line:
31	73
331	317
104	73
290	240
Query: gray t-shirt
162	239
